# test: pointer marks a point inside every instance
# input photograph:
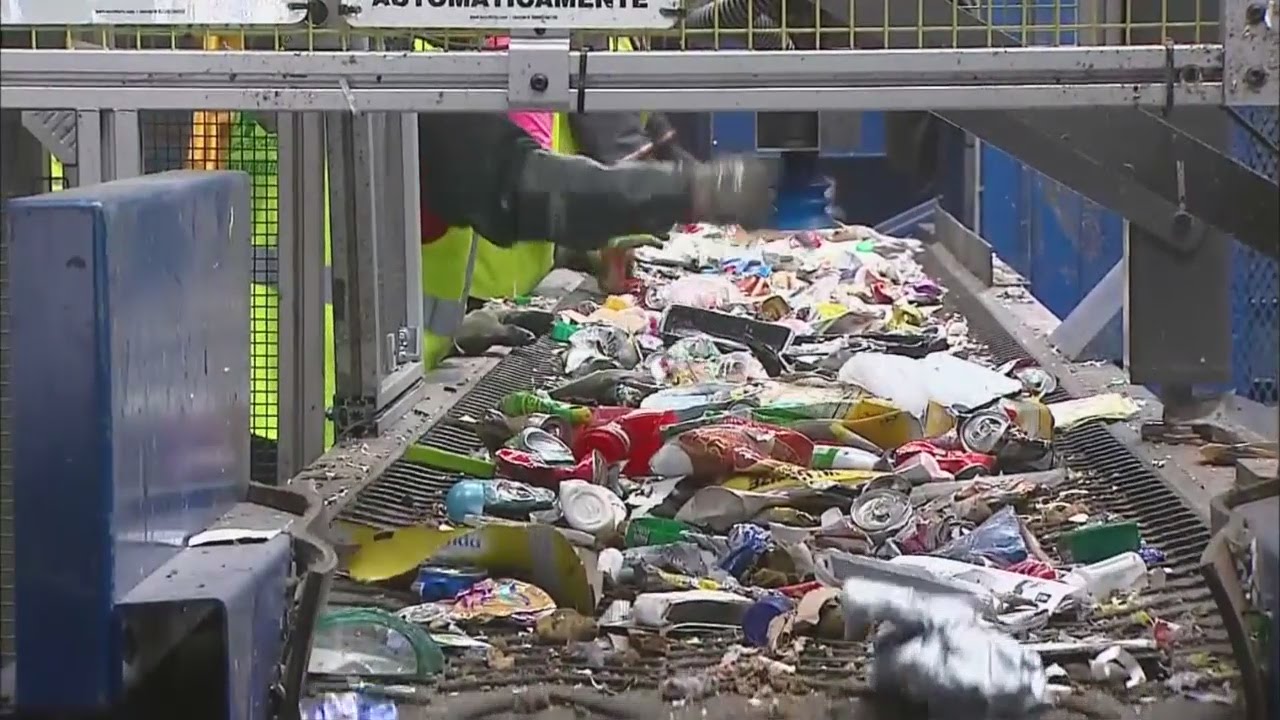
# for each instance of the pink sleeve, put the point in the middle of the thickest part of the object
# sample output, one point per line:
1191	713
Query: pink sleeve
536	124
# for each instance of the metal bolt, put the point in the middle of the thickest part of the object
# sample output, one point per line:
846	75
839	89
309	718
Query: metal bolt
1256	13
1255	77
539	82
1181	223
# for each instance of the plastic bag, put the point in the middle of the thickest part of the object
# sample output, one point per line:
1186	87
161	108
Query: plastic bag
709	292
934	649
347	706
598	347
998	541
740	367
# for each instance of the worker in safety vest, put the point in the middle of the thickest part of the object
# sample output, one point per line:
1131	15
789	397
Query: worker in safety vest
498	272
489	221
516	191
494	204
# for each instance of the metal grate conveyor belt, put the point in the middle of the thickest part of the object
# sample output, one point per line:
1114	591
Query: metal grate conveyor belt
1114	478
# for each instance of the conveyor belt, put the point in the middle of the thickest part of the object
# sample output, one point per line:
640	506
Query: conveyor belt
409	493
1116	481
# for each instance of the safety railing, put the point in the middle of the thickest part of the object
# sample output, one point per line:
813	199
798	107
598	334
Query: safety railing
689	55
693	25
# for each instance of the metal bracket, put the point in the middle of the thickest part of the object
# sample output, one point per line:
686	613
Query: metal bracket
1251	50
538	72
354	417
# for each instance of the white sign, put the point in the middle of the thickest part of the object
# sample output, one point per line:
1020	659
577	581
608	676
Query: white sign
148	12
517	14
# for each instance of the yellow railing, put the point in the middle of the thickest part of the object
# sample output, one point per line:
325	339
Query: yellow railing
843	24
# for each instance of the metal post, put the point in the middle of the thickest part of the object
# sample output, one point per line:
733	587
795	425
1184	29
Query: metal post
353	232
108	145
126	160
302	292
410	181
1178	310
389	163
89	169
399	282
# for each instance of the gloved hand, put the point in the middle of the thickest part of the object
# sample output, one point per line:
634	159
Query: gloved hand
536	321
737	190
631	242
484	329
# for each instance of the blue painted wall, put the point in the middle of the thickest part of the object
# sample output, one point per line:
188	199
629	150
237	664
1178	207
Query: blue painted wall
1060	242
1255	307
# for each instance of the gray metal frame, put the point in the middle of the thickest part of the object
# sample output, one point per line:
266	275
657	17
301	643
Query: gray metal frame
302	292
1251	50
108	147
358	82
376	379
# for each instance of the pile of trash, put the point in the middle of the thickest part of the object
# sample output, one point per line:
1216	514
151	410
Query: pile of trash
784	439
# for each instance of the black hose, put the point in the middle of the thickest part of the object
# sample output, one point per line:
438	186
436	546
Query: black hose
734	15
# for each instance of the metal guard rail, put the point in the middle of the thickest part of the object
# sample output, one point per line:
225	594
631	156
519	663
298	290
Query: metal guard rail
690	81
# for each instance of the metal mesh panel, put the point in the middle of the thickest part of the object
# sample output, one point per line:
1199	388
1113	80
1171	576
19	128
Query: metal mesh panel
173	140
253	150
28	169
1255	300
807	24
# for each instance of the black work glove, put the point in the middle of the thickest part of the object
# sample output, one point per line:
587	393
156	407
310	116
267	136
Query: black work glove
538	322
484	329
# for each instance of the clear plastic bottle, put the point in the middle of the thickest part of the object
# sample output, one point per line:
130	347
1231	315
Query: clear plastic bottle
1126	572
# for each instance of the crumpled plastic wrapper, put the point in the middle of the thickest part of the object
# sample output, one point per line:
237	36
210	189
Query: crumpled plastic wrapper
935	650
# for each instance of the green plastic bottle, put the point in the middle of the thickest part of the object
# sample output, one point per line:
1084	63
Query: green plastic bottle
531	403
644	531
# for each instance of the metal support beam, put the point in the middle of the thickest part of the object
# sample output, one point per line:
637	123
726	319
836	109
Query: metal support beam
392	274
410	182
400	305
1154	174
108	145
302	399
1105	302
538	71
89	165
1138	145
354	231
126	136
1177	312
668	80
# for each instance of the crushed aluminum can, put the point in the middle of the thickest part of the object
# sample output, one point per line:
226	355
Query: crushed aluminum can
882	513
984	431
544	445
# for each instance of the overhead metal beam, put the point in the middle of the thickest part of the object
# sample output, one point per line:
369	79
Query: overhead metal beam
1107	158
688	81
1139	145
